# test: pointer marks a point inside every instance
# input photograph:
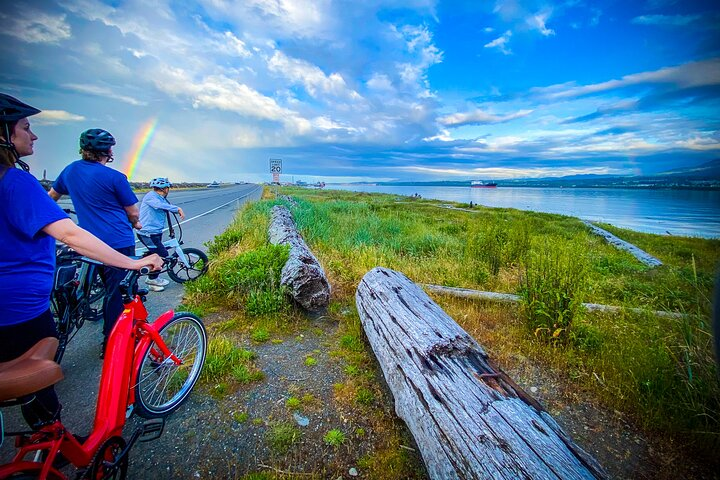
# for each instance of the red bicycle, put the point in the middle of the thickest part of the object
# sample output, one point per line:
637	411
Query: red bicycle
149	369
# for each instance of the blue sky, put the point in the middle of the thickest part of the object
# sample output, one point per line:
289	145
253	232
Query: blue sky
363	91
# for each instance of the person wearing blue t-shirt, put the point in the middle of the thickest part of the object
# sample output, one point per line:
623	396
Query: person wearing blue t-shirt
106	207
153	211
30	222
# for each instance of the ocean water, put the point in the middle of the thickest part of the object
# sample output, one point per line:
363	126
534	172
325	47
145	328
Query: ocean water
694	213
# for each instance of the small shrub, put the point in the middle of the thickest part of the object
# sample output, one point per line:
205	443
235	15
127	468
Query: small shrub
260	335
224	241
282	436
334	438
243	374
240	417
553	288
293	403
364	396
224	358
310	361
352	343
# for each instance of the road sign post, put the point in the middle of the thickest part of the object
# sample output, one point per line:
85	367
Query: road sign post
276	170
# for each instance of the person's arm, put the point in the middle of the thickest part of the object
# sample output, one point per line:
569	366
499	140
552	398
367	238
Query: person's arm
87	244
133	214
54	194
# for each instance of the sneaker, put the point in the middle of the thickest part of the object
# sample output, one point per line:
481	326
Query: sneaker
155	288
160	282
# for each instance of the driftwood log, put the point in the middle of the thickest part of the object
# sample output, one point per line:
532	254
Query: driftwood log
302	273
468	418
511	298
636	252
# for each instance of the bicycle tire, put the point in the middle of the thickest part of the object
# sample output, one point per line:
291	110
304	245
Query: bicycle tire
95	298
161	386
182	273
64	327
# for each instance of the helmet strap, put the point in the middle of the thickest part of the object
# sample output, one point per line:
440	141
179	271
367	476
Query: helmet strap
7	143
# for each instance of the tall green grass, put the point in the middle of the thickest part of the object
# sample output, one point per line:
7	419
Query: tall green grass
657	369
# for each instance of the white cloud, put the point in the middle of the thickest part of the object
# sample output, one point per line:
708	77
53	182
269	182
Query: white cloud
670	20
310	76
501	43
480	117
537	22
102	92
693	74
34	26
56	117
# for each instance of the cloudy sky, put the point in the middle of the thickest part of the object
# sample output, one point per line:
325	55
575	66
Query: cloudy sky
370	90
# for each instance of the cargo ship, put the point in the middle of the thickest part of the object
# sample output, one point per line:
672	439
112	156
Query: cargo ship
481	184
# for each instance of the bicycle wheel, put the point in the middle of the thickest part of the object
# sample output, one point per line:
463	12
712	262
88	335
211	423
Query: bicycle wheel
161	386
63	324
96	295
198	266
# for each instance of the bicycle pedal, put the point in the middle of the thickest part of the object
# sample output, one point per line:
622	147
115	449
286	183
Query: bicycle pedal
142	292
152	429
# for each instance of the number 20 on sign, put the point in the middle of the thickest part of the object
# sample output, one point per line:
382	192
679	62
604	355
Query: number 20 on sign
275	165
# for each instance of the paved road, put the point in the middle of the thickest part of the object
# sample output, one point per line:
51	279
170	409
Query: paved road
208	212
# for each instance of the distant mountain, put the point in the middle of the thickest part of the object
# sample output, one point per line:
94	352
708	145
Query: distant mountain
708	170
705	176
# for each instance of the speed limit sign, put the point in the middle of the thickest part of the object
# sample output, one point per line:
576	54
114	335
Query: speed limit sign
275	165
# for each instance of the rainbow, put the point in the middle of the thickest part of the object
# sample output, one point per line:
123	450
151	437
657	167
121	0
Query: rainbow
140	142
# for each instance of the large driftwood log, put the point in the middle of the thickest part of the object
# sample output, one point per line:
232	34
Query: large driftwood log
302	273
469	419
636	252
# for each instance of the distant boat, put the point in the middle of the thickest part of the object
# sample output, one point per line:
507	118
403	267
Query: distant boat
481	184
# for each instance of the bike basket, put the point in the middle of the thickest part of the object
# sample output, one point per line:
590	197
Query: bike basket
64	275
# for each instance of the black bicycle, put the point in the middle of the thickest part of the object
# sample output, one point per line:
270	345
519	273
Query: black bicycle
77	295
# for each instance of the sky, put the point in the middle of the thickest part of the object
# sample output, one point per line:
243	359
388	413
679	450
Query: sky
346	91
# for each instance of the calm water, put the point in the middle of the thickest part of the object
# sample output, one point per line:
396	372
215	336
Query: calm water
680	212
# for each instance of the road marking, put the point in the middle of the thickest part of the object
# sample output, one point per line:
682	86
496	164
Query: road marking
205	213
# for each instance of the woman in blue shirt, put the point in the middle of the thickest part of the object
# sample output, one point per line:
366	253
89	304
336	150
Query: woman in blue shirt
30	222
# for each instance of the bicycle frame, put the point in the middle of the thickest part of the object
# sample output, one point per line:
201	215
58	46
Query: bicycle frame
130	337
172	243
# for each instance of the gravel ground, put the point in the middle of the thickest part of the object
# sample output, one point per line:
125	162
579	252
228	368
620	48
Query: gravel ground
225	436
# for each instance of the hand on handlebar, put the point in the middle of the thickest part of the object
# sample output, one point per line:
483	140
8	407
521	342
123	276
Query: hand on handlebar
154	261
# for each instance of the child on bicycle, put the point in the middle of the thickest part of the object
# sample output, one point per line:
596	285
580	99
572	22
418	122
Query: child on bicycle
152	217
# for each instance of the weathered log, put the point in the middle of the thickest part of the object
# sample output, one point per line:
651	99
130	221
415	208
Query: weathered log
302	272
636	252
468	418
511	298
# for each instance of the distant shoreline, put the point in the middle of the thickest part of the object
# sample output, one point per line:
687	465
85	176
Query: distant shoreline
533	185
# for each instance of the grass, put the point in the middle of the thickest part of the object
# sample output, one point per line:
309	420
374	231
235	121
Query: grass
334	438
282	436
224	360
659	371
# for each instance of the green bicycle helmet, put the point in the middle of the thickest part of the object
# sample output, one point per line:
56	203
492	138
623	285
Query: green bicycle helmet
12	110
96	140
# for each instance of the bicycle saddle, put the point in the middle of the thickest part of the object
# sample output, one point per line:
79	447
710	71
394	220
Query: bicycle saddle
31	371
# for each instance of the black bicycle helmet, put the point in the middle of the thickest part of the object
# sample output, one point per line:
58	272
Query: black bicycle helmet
12	110
96	140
